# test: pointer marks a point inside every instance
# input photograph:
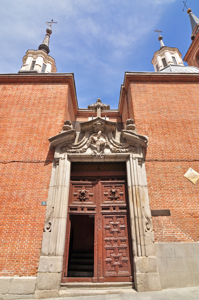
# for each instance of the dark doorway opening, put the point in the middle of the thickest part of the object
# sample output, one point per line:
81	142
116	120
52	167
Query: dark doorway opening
81	251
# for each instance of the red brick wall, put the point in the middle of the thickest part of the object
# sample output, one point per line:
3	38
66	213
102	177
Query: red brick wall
30	114
167	112
192	55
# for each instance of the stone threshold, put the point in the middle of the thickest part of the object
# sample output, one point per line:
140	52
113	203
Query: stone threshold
76	289
91	285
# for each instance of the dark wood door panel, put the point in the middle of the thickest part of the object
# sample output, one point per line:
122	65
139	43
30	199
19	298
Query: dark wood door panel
115	247
106	200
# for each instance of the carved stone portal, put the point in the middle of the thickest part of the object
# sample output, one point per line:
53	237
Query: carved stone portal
99	139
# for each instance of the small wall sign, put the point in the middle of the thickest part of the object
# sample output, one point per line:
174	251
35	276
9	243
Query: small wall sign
43	202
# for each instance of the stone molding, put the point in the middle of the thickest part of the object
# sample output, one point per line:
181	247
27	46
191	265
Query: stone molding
132	77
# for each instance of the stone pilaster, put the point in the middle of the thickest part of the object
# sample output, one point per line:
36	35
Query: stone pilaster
51	259
146	274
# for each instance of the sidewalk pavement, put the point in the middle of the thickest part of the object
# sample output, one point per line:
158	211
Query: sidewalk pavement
188	293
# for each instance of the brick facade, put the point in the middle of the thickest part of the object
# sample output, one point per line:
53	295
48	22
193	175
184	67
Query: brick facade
165	108
192	55
32	110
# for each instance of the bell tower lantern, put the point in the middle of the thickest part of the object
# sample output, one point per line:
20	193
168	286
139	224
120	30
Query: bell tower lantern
166	56
39	61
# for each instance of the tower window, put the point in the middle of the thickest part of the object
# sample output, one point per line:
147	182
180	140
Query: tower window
157	68
164	62
43	68
174	60
33	65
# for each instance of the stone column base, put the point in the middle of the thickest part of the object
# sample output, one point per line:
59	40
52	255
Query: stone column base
146	274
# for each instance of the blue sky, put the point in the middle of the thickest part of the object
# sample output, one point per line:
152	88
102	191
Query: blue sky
97	40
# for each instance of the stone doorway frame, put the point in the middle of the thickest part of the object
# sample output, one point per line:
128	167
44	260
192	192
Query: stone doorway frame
146	273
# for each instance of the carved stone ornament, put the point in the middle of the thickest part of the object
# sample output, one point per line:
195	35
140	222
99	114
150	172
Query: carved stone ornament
98	126
47	226
98	139
148	221
48	222
130	124
98	143
67	125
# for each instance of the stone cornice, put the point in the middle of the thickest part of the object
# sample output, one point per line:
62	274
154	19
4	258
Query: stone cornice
154	77
43	78
41	53
84	112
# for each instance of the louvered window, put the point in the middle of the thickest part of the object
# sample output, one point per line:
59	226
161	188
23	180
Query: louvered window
33	65
174	60
43	68
164	62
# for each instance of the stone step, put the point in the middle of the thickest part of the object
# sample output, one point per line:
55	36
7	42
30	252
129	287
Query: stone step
98	285
80	274
90	292
82	255
80	267
80	261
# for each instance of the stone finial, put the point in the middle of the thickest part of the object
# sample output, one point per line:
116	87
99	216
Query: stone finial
98	106
67	125
130	124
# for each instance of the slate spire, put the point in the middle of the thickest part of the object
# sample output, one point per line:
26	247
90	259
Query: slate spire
45	44
194	23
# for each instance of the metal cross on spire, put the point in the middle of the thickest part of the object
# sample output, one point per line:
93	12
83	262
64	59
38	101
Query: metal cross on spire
160	38
185	5
50	23
158	31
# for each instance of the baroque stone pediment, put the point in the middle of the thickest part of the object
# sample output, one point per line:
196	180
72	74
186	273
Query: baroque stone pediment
98	124
97	139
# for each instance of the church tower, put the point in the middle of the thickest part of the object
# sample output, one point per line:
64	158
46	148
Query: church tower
192	55
166	56
38	61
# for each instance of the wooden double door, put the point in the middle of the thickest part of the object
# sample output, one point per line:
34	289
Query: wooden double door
98	247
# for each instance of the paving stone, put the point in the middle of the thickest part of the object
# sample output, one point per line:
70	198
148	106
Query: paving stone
189	293
13	297
113	297
45	294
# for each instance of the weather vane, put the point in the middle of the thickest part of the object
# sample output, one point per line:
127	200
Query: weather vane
158	31
50	24
185	5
